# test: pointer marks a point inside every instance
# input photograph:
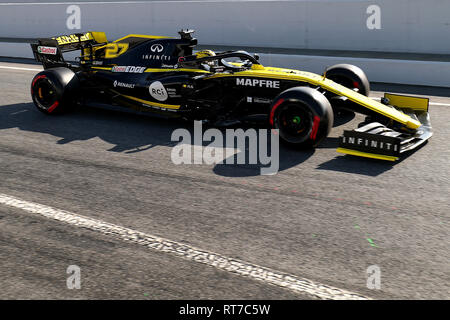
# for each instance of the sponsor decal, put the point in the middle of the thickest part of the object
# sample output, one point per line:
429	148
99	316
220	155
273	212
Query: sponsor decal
123	85
258	83
157	48
172	92
158	91
219	69
47	50
73	38
262	100
174	66
97	63
156	57
129	69
370	143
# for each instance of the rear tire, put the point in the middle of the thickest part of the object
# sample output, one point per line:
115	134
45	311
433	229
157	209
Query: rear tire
53	90
302	115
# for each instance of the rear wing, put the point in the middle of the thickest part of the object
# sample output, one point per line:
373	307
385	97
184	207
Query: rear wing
49	51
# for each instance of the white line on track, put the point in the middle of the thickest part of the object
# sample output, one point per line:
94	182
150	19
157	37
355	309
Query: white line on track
439	104
242	268
18	68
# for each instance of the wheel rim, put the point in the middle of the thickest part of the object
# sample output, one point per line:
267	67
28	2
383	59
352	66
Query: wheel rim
348	83
294	122
45	94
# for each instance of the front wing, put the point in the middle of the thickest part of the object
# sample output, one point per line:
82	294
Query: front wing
375	140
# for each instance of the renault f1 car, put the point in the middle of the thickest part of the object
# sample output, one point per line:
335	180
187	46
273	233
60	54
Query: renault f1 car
163	75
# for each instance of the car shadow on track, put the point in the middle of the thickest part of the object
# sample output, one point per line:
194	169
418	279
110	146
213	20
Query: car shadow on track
357	165
289	156
363	166
129	132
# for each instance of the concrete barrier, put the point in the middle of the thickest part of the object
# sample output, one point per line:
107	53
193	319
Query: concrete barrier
428	73
408	26
372	25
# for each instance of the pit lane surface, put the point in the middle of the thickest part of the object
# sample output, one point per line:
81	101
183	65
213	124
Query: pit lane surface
324	217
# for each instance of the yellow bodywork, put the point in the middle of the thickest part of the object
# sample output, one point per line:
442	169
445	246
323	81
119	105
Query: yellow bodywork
260	71
314	79
414	103
155	104
141	36
72	38
366	154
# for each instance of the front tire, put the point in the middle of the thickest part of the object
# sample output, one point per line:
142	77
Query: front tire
302	115
349	76
53	90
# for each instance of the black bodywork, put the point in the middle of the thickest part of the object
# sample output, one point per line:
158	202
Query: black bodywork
164	76
186	78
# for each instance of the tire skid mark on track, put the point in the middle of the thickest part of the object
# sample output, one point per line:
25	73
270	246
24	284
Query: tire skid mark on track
156	243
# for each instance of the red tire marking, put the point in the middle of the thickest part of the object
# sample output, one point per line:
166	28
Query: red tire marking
34	81
272	112
53	107
37	78
315	127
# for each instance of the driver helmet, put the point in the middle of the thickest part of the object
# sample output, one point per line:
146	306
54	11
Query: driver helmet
204	54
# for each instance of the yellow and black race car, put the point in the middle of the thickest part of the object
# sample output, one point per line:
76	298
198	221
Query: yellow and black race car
164	75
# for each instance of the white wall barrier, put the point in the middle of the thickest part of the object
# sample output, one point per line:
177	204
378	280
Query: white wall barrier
429	73
409	26
416	26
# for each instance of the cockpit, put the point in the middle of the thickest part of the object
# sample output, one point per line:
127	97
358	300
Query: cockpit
231	61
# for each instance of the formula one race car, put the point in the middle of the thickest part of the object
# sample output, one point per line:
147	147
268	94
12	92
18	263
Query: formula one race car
164	75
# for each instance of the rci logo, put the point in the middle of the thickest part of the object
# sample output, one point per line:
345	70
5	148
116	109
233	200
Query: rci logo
157	48
158	91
